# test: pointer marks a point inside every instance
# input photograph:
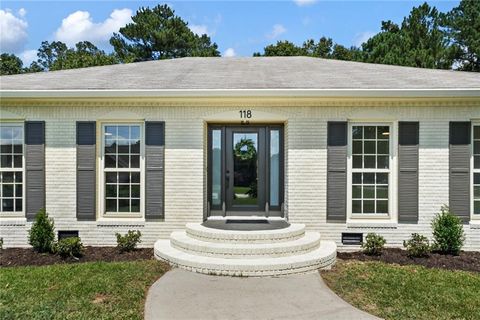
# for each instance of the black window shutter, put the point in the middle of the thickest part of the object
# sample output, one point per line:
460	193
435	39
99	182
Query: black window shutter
155	170
408	141
34	167
86	170
337	171
459	164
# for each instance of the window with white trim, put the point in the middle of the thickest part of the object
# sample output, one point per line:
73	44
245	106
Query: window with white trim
122	168
370	169
476	170
11	168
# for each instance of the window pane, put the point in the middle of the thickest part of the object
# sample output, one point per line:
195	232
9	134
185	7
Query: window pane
124	177
382	178
382	147
357	147
134	146
476	162
357	162
382	162
111	177
111	190
7	177
18	190
135	191
369	147
123	146
368	206
383	132
110	161
382	206
476	192
274	167
18	176
17	161
135	133
357	178
123	205
123	132
357	206
368	192
476	132
369	178
476	178
476	207
111	205
123	161
135	161
6	147
6	161
111	132
124	191
7	190
356	192
369	162
476	147
382	192
18	205
357	132
135	205
369	132
7	205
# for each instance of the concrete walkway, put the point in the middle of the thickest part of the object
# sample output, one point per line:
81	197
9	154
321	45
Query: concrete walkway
181	294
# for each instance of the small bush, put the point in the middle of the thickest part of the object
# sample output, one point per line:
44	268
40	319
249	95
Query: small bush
41	236
373	244
448	232
417	246
69	247
129	241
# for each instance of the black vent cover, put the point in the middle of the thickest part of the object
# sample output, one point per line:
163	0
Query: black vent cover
67	234
352	238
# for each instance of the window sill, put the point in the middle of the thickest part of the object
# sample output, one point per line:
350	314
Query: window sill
372	225
474	224
12	221
121	222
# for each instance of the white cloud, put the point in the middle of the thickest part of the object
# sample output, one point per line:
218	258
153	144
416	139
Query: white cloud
13	32
199	29
28	56
22	12
363	37
230	52
303	3
79	26
277	30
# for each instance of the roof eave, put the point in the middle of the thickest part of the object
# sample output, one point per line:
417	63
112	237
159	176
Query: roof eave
327	93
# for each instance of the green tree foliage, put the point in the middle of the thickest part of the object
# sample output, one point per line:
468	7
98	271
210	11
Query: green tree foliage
160	34
10	64
418	42
463	30
57	56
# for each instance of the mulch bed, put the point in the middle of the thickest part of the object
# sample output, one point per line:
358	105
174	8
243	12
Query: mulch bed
13	257
466	261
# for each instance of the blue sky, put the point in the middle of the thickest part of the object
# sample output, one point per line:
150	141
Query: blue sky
238	27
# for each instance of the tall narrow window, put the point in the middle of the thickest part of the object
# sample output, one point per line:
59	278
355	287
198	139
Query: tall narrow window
11	168
476	170
216	167
274	167
370	169
122	169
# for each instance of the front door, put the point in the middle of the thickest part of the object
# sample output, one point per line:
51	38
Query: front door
245	170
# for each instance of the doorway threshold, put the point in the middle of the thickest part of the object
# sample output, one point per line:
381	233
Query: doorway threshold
246	223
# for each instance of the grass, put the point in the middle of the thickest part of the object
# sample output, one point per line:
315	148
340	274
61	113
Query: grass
406	292
244	201
99	290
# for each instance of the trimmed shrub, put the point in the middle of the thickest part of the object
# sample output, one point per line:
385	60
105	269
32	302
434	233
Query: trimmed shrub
42	236
129	241
448	235
69	247
417	246
373	244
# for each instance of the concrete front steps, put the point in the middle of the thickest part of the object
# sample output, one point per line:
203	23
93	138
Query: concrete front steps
246	253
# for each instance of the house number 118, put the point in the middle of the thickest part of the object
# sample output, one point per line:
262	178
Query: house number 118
245	114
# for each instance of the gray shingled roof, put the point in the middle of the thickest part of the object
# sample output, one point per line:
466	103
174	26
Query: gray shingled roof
243	73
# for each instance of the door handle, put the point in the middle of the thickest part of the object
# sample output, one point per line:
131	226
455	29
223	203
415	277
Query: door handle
227	178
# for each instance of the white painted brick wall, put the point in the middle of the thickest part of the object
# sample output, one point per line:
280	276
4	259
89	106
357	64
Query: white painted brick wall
185	167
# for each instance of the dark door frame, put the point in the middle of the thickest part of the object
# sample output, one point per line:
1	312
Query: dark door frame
223	208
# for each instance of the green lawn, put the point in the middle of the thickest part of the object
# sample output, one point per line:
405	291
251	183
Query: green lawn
406	292
100	290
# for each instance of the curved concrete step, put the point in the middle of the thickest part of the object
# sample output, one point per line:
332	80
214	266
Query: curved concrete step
322	257
180	240
199	232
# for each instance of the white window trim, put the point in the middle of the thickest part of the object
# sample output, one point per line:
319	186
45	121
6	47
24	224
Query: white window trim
101	173
473	217
392	177
17	214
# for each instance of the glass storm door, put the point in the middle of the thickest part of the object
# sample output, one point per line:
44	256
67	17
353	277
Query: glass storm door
245	174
